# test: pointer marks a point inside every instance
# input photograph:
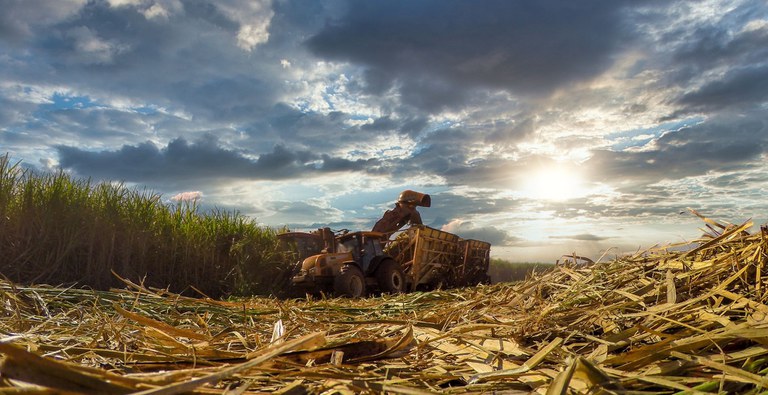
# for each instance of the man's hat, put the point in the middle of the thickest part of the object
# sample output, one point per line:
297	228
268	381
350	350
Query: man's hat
415	198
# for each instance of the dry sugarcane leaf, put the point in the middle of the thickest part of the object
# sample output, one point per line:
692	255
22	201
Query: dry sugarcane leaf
754	305
77	352
25	366
593	375
355	351
562	381
527	366
295	387
740	373
393	348
671	290
160	326
181	387
462	351
661	381
725	236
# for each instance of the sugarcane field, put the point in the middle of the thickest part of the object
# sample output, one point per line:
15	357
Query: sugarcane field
654	322
681	318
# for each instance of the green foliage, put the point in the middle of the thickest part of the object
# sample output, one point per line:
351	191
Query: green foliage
59	230
502	271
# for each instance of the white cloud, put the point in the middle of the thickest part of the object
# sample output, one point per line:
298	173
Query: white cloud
189	196
151	9
756	25
252	35
453	226
156	11
324	87
37	94
125	3
254	18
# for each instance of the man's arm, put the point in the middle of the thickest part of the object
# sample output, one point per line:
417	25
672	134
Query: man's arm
396	218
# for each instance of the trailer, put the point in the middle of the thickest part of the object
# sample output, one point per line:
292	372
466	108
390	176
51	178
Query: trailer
433	258
419	258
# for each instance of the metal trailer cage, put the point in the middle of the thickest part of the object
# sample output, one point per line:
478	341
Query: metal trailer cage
474	269
432	258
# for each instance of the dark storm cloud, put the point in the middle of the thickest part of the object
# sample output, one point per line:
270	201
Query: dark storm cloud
117	51
640	202
728	42
298	214
414	125
325	132
721	144
335	225
100	125
446	153
713	46
448	206
200	160
442	152
490	234
725	59
738	181
11	111
512	131
381	124
306	129
19	17
436	50
581	237
405	124
740	88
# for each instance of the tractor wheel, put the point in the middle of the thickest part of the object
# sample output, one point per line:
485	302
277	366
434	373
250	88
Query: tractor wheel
350	282
390	277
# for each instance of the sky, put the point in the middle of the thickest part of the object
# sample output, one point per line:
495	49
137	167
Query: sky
544	127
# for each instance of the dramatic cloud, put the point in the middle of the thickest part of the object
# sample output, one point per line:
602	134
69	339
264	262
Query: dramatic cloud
299	214
742	88
434	51
468	230
718	145
20	17
581	237
202	159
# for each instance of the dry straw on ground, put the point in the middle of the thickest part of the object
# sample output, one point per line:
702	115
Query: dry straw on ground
688	319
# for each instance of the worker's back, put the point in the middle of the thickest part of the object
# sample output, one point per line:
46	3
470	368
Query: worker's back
404	212
394	219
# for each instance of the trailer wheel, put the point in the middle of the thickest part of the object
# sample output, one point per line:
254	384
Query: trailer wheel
390	277
350	282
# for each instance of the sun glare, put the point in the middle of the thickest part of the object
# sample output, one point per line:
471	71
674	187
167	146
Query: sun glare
554	183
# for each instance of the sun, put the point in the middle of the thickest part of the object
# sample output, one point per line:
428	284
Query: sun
555	183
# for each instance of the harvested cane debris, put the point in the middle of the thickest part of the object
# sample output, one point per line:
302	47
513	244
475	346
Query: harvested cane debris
684	318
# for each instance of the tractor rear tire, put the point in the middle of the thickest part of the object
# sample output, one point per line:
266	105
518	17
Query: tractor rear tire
390	277
350	282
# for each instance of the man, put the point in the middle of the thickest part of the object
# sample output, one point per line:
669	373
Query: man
403	213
